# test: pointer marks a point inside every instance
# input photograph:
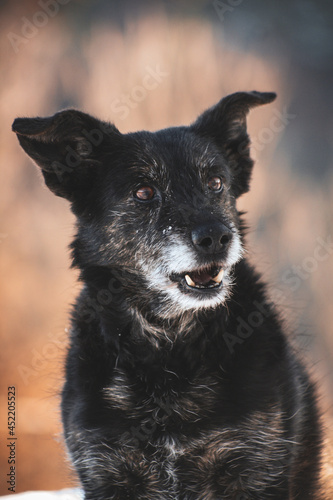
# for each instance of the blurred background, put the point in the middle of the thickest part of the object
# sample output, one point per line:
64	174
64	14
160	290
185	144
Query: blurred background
97	56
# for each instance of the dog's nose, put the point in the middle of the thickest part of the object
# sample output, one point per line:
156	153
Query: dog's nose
211	238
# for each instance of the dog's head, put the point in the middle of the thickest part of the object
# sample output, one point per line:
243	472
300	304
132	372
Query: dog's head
158	209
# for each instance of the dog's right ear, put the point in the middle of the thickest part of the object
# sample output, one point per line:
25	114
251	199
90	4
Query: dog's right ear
68	147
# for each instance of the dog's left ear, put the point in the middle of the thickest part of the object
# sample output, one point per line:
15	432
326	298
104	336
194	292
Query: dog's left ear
225	124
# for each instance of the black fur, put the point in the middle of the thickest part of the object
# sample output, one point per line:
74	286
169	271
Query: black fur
179	386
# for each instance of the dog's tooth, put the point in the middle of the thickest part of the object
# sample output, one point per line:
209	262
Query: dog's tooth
219	277
189	281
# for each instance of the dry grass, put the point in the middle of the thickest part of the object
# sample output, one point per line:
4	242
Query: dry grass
286	213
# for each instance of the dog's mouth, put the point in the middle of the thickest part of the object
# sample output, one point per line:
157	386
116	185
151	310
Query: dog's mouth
203	279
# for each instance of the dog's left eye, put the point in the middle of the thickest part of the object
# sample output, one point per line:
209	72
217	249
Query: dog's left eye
145	193
215	183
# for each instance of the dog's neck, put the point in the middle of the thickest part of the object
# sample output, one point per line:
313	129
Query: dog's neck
179	346
124	322
168	330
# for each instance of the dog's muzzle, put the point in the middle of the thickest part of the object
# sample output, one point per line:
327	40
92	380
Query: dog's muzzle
209	240
196	273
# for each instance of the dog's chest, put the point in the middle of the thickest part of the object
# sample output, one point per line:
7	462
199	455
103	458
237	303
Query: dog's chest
162	446
163	397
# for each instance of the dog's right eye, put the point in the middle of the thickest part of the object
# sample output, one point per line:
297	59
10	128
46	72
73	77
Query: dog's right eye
144	193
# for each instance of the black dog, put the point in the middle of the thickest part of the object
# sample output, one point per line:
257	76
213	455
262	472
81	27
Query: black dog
180	383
